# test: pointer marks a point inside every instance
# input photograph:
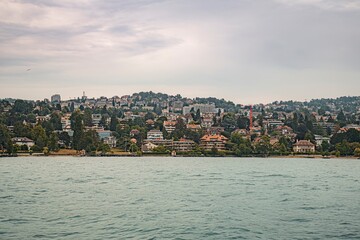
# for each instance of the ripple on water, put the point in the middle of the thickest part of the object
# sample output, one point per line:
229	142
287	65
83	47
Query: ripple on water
178	198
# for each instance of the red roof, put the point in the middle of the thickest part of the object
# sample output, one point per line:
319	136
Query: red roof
216	137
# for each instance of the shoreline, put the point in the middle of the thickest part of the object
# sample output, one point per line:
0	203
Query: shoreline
123	154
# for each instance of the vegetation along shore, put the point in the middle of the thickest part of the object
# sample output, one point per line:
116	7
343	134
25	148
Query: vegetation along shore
157	124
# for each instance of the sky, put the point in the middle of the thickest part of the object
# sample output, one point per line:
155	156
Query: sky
245	51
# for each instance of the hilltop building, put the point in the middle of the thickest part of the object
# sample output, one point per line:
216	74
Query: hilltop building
56	98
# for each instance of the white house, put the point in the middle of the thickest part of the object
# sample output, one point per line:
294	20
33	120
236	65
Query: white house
155	134
23	141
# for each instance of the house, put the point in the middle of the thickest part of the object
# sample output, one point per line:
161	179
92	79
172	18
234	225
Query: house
103	133
150	122
169	126
304	146
155	134
320	139
216	130
42	118
111	141
207	122
134	132
349	126
193	127
23	141
183	145
217	141
285	131
203	108
148	147
273	123
65	121
242	132
256	131
96	118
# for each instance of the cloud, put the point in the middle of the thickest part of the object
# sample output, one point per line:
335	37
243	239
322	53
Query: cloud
205	46
336	5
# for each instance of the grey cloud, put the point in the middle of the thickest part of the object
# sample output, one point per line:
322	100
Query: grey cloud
214	44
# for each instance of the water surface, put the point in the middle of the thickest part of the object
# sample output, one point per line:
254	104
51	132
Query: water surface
179	198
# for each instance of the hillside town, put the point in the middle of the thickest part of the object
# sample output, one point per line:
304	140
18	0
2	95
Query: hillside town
149	123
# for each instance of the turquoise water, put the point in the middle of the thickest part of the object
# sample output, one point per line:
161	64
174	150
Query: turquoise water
179	198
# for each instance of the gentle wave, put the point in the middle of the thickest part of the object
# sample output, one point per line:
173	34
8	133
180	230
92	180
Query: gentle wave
179	198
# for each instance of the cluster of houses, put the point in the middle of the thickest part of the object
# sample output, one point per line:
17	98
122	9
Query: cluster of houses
175	107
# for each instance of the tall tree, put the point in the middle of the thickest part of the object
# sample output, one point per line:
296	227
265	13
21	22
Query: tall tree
78	128
113	123
4	137
39	136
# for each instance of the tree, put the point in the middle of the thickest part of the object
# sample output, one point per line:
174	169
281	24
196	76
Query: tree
133	147
72	107
325	146
161	149
158	109
229	122
309	136
65	138
53	142
263	147
344	148
104	148
89	141
113	123
341	116
197	116
78	128
21	106
39	136
357	152
243	123
21	130
4	137
352	135
149	115
10	147
243	150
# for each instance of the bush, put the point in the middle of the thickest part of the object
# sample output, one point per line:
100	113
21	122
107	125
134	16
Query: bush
36	148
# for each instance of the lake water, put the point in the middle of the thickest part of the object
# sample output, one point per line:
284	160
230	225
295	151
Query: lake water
179	198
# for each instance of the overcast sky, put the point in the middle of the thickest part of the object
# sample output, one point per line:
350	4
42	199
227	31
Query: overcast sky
247	51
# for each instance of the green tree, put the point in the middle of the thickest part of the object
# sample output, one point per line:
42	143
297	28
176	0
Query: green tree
263	147
55	120
4	137
21	130
229	122
39	136
341	117
89	141
65	138
344	148
325	146
21	106
113	123
78	128
103	148
87	117
10	147
357	152
53	142
243	123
